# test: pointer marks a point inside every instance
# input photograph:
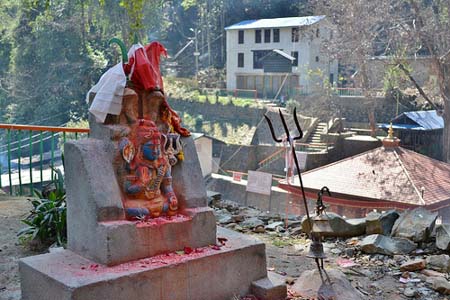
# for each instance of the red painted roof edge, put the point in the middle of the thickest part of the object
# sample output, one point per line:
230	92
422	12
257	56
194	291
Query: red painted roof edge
358	202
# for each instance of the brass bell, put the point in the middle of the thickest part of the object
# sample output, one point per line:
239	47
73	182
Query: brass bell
316	250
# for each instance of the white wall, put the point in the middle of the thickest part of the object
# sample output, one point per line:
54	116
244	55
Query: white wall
203	146
308	48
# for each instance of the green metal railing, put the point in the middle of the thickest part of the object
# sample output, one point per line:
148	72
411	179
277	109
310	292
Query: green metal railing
349	92
13	150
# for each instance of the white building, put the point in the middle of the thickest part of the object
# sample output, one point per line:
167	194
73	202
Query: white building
251	42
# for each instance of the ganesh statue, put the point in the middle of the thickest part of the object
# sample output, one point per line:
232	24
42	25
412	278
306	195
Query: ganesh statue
148	185
149	144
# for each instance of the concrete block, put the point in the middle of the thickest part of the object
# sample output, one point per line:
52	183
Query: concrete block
272	287
258	200
187	178
92	192
121	241
202	275
96	223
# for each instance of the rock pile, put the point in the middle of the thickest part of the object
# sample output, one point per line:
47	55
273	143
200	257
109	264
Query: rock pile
406	246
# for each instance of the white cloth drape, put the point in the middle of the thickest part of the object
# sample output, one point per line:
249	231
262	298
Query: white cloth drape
109	93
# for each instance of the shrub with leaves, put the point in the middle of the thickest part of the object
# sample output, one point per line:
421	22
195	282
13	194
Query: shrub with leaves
47	219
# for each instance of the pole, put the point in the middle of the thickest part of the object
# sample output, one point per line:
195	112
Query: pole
196	56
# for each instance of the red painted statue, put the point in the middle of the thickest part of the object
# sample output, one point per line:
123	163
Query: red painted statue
152	145
149	184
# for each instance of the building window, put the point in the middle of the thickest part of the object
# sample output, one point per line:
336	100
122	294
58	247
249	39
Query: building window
295	34
317	59
240	60
294	54
276	35
317	32
266	35
331	78
257	58
241	37
258	36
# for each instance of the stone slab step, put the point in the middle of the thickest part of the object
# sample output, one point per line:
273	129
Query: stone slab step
272	287
205	275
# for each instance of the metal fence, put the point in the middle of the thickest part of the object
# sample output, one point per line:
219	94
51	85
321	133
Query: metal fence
29	155
236	93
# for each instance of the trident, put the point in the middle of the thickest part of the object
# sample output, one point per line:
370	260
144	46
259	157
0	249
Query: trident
292	145
316	243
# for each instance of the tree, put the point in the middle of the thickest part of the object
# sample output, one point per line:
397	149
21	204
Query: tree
411	27
54	51
423	27
358	26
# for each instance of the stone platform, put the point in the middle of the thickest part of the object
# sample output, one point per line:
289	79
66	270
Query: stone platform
194	227
206	273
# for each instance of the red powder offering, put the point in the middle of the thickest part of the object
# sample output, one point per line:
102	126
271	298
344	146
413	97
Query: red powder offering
188	250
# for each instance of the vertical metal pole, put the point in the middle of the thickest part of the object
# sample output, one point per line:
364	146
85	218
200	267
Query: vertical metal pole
52	154
31	162
41	153
9	162
76	133
196	57
19	155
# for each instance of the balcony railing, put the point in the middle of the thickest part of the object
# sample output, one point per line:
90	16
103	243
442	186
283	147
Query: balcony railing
29	155
349	92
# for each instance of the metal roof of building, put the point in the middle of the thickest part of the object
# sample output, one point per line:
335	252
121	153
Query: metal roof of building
428	119
424	119
276	23
400	126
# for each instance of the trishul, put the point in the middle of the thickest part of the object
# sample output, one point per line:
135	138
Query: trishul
292	145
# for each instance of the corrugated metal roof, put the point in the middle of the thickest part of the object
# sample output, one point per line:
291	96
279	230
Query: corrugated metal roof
276	23
427	119
400	126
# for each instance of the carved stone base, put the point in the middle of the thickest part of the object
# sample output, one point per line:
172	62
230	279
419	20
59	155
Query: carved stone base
203	274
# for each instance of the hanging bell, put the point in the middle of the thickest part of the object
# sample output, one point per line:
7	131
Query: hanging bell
321	225
316	250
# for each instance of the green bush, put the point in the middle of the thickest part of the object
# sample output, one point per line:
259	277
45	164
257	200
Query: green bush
47	219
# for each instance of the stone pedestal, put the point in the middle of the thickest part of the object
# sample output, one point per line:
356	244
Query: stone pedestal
111	258
206	274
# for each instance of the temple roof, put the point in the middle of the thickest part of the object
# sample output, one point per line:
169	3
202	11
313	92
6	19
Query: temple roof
383	174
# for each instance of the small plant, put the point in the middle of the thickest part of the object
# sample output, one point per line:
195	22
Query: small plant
291	104
47	219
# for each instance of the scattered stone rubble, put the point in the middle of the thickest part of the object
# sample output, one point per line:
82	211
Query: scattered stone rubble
405	246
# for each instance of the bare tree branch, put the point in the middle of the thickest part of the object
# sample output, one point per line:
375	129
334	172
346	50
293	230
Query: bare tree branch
418	87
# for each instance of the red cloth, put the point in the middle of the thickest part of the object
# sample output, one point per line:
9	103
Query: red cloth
143	65
154	51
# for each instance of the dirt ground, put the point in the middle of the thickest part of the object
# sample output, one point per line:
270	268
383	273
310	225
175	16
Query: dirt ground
12	210
286	257
291	261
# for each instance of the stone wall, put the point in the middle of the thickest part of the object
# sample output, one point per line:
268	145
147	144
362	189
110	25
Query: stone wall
354	108
421	70
279	202
219	112
282	202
